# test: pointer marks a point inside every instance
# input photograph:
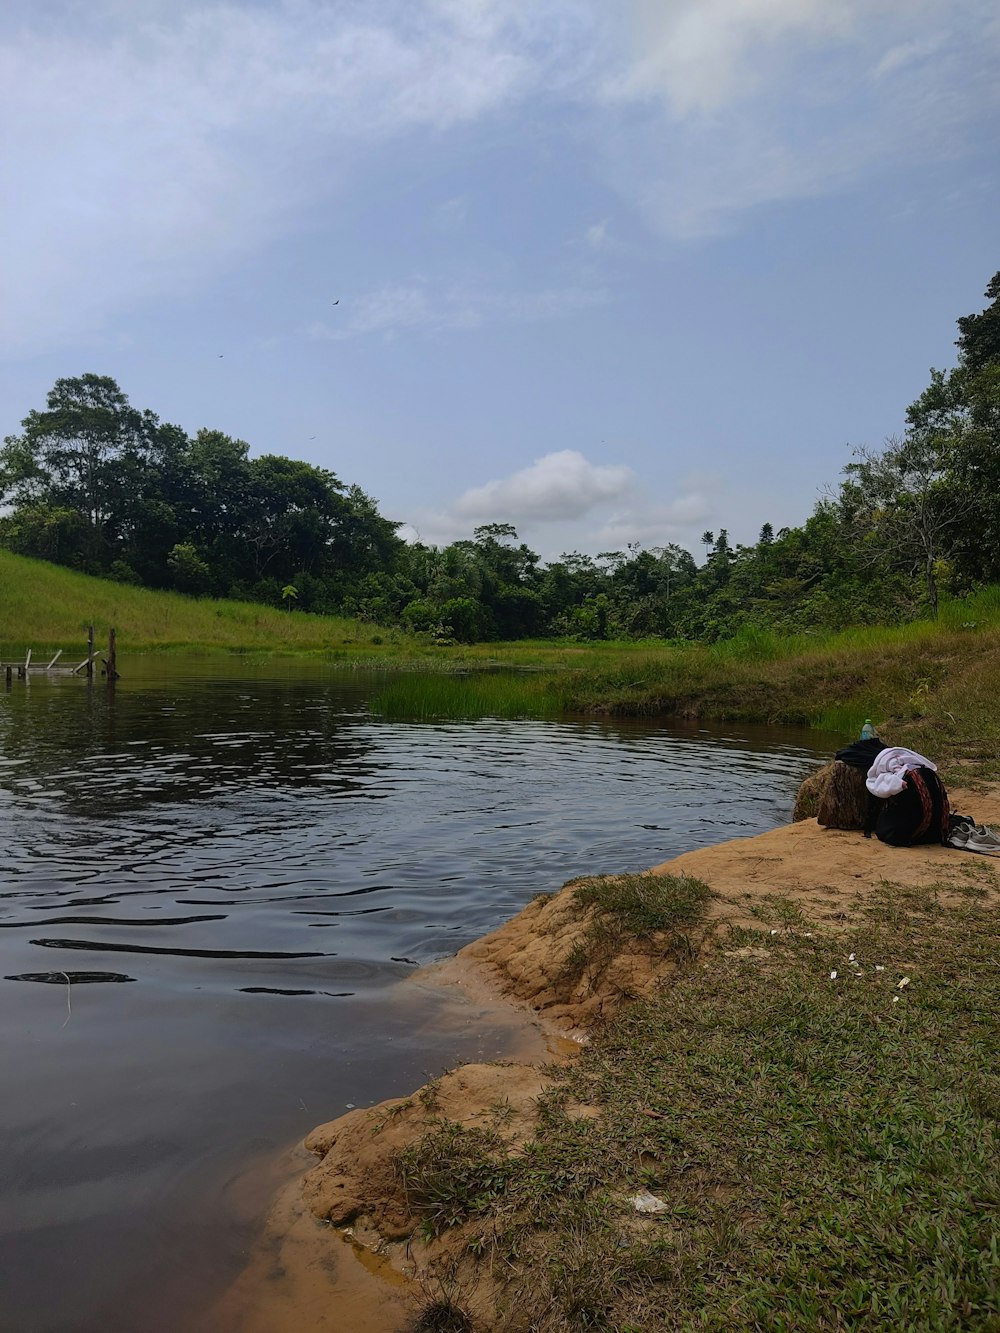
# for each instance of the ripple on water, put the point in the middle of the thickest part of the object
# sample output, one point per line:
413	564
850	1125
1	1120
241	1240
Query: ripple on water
283	808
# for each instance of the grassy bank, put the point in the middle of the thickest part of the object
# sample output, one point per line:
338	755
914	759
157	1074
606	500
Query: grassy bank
932	684
816	1114
47	607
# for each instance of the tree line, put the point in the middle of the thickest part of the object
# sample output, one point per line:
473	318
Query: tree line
96	484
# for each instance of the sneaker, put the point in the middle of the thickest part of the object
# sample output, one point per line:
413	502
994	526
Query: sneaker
958	837
985	834
982	842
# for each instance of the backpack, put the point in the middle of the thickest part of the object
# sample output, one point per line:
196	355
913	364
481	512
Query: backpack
918	814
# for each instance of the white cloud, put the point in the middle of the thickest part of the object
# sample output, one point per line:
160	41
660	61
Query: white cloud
398	308
908	53
152	144
597	235
729	104
561	504
656	525
561	485
147	146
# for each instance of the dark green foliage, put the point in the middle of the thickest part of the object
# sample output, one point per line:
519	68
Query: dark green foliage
93	483
98	485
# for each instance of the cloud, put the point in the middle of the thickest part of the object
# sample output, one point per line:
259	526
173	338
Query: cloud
561	485
152	145
656	525
597	235
730	104
397	308
555	512
908	53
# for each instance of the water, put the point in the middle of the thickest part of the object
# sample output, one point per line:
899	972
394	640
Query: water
213	879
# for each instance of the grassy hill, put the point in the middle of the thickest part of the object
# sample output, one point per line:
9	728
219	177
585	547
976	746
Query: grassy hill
45	607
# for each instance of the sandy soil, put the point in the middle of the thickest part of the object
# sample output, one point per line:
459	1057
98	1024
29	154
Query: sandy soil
339	1254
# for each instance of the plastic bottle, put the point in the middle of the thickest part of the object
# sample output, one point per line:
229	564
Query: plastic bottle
868	731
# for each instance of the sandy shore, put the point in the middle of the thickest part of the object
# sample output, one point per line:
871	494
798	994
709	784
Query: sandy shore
340	1252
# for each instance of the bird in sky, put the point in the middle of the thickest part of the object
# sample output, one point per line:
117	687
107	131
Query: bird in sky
337	302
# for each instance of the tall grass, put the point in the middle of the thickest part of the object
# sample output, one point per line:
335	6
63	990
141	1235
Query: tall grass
425	696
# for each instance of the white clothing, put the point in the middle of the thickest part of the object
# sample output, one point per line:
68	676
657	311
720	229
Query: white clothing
887	776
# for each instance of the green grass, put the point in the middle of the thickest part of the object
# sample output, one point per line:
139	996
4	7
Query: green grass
45	607
827	1148
632	908
423	696
452	1173
642	905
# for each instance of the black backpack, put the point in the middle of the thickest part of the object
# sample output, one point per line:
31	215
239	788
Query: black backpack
918	814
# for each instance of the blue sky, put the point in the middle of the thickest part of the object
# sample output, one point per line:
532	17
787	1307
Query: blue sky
611	272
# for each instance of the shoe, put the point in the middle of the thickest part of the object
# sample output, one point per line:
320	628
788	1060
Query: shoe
982	842
958	837
985	835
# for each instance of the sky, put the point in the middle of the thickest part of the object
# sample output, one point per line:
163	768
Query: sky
613	271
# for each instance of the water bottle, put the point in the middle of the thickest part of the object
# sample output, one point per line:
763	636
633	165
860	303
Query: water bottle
868	731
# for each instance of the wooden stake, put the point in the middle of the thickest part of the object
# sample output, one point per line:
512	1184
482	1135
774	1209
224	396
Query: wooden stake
111	664
54	660
90	653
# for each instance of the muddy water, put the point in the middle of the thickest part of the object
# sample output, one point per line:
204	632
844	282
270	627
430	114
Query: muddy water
213	881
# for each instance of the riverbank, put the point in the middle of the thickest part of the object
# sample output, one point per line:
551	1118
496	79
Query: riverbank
788	1042
932	684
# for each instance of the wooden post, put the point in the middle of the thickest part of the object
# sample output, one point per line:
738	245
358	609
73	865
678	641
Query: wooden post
112	667
54	660
90	652
10	676
27	662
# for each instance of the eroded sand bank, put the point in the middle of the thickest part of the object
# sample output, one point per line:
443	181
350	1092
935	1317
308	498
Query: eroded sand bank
340	1253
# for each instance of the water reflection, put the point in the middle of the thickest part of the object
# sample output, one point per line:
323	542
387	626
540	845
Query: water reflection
263	858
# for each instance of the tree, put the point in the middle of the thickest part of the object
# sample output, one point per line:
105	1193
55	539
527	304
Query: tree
83	453
901	505
190	573
979	335
958	418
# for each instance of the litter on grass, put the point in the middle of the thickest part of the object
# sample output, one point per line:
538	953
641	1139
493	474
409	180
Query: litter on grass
644	1202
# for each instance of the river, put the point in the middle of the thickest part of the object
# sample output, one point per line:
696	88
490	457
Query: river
214	877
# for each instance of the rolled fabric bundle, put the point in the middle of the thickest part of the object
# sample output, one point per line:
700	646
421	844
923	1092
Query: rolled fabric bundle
887	775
